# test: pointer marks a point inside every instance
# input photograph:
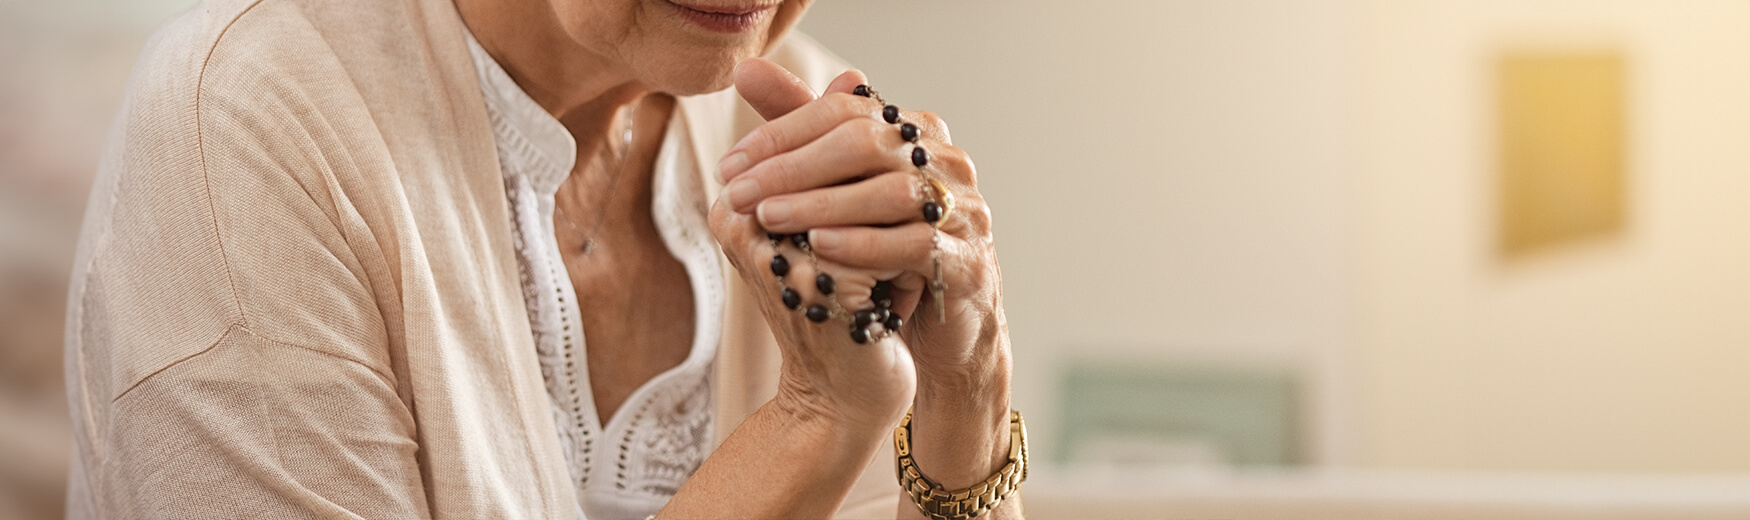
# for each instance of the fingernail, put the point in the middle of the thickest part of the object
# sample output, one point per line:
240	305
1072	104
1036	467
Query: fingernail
743	192
825	238
773	213
731	166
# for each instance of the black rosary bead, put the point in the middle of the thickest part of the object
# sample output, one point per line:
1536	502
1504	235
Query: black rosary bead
861	90
890	113
908	132
780	266
824	282
774	236
932	212
860	335
817	313
865	317
792	300
882	293
919	157
893	322
799	239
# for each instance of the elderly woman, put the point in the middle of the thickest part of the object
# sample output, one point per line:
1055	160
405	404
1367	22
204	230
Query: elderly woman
342	259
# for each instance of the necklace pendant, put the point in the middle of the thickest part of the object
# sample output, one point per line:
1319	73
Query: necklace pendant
588	245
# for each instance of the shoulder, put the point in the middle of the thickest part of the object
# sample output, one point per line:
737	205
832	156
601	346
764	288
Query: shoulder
235	111
245	54
221	60
177	60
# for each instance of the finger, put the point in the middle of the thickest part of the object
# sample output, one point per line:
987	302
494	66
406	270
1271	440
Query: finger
907	247
739	235
851	291
857	148
847	81
903	297
911	248
771	90
851	286
822	283
908	294
795	129
889	198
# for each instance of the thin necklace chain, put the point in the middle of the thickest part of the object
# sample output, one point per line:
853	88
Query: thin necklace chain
613	186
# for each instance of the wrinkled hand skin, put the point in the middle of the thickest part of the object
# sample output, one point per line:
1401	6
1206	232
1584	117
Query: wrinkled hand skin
831	167
824	374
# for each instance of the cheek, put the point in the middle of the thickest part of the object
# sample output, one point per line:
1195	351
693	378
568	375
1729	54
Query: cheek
599	27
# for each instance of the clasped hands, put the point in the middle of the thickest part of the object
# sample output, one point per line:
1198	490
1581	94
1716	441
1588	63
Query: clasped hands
832	168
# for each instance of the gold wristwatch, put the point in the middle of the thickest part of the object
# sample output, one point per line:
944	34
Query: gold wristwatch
940	504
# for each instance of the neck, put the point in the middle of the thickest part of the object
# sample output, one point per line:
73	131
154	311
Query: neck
582	89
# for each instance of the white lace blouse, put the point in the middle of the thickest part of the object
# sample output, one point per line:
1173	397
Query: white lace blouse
631	466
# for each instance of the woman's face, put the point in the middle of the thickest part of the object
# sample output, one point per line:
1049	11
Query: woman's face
679	47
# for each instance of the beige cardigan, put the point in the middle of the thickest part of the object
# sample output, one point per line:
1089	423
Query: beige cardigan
296	295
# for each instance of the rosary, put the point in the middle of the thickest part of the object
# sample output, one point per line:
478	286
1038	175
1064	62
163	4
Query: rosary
879	321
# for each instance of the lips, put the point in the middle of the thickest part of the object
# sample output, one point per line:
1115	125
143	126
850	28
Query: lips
731	18
731	10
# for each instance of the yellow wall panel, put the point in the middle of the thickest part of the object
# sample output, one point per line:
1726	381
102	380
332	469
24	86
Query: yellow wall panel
1561	148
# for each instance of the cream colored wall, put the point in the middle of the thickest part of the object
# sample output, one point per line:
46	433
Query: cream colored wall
1169	178
1626	354
1311	180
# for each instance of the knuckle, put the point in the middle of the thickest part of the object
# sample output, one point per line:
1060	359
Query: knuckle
957	162
865	136
766	140
979	216
934	122
779	176
719	220
844	106
820	203
901	189
922	241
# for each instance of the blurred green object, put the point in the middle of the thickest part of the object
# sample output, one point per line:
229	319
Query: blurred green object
1163	414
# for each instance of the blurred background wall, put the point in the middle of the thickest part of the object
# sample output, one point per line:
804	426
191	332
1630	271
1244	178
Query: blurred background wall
1171	180
1250	248
63	64
1626	352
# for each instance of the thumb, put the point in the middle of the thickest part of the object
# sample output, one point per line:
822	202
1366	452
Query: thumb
771	90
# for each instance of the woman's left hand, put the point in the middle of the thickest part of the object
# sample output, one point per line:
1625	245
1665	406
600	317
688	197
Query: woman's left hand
834	168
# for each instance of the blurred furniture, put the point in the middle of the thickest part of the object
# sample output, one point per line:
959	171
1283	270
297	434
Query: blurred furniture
1141	413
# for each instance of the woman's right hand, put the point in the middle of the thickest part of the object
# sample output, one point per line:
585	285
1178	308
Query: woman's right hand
824	374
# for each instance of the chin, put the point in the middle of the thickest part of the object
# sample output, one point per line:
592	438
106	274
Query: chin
686	75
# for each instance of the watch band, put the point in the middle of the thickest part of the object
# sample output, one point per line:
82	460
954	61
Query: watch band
941	504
